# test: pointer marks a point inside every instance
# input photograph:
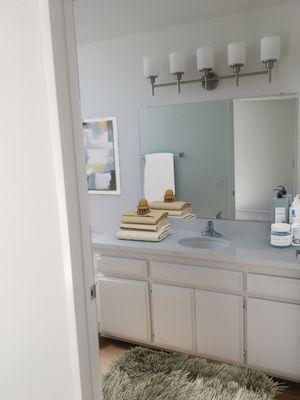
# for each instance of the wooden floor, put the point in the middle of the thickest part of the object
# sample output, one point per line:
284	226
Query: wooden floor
111	350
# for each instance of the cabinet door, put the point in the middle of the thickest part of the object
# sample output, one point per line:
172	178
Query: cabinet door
173	317
124	309
219	325
273	336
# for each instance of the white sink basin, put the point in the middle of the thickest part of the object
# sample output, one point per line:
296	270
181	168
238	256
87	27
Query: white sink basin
203	242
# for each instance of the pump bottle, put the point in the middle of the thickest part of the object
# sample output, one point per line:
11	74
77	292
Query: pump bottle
280	208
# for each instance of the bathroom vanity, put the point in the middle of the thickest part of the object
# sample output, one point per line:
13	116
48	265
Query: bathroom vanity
238	302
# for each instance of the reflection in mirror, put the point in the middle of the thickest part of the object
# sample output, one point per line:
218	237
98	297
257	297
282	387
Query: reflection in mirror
228	154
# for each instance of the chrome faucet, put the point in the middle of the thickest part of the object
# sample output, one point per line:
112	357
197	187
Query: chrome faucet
210	231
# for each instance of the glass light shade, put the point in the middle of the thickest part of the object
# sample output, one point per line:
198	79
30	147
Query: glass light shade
177	62
270	48
236	53
205	58
151	67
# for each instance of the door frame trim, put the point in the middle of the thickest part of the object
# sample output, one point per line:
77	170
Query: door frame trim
61	74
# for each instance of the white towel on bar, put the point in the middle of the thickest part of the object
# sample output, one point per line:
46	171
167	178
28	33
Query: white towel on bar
159	175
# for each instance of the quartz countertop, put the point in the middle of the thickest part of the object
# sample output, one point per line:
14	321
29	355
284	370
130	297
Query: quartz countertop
248	244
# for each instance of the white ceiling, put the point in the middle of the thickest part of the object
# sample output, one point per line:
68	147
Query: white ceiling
98	20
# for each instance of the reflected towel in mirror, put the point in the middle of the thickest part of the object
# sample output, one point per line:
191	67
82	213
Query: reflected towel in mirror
159	175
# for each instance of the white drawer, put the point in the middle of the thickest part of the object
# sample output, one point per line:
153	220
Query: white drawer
273	287
208	278
118	266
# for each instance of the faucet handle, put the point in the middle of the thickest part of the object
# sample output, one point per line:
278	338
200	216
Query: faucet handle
218	215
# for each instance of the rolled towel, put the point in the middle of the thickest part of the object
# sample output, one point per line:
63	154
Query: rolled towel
175	205
146	227
128	234
152	218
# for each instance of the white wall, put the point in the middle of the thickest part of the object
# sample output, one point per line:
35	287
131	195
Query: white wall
264	151
38	346
112	82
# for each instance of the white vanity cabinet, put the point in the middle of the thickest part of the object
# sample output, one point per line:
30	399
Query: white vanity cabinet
173	317
124	309
219	326
232	314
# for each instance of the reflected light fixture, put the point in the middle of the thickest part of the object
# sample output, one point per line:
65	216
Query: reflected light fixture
236	52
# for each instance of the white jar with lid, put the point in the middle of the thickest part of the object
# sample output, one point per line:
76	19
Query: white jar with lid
281	235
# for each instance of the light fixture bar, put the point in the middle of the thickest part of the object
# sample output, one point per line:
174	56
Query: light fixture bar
236	54
202	80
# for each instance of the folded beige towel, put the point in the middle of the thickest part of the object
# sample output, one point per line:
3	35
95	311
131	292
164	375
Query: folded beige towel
146	227
175	205
186	216
128	234
152	218
181	213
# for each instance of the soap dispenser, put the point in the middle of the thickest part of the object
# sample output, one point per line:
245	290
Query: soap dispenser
280	207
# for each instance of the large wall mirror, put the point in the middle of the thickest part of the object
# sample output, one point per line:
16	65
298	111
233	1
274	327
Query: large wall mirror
228	154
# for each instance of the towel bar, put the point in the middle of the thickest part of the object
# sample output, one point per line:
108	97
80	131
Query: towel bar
176	155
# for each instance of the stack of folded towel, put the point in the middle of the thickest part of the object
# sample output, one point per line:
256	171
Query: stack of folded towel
176	209
153	226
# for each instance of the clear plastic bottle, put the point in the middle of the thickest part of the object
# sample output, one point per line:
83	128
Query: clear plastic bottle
294	209
296	232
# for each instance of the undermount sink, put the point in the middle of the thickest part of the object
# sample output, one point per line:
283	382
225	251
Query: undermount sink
202	242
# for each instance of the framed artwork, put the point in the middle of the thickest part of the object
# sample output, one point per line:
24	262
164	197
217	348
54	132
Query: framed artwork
102	155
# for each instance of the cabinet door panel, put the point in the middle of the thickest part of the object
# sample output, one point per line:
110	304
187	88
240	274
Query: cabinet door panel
123	267
219	325
124	309
173	317
273	287
204	278
273	335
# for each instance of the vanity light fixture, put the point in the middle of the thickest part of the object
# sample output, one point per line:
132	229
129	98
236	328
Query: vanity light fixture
236	58
269	54
177	66
151	70
205	64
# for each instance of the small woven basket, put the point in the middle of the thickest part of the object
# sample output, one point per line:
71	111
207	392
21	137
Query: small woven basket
169	196
143	207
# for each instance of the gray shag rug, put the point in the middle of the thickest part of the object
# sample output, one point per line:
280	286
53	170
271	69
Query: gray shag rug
144	374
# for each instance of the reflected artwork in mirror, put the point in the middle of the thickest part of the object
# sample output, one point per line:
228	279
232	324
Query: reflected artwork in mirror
228	154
